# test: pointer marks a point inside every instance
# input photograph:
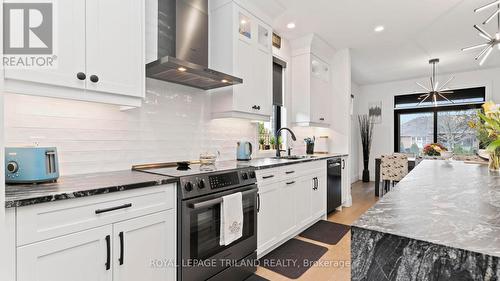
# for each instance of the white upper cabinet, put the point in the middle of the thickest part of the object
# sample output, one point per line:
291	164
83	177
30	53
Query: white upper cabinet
115	47
240	44
70	50
312	89
100	54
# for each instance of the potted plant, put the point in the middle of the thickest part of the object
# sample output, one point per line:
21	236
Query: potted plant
489	126
272	142
280	142
366	130
262	141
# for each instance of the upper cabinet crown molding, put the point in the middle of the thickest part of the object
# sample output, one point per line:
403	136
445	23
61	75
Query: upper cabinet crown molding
100	54
312	43
241	45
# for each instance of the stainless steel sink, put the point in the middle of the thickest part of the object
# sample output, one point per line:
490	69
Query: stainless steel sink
295	157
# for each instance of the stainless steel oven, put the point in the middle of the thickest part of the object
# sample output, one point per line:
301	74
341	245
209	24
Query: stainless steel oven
200	257
203	258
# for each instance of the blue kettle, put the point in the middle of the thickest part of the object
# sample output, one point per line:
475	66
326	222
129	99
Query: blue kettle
244	151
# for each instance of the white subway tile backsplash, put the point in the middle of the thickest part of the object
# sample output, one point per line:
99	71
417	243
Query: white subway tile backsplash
173	124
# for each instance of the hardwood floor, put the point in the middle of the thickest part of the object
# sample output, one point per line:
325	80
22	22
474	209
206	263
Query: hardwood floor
336	262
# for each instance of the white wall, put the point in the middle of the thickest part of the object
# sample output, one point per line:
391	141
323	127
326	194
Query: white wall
383	139
173	124
355	156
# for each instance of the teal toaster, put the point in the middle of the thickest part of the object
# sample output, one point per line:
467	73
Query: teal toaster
31	164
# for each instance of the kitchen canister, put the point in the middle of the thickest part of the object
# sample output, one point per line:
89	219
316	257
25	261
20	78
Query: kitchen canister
321	145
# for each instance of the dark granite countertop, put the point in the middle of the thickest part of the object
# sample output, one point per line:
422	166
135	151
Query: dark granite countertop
454	204
268	162
76	186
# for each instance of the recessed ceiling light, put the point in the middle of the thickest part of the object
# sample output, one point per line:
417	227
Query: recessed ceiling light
290	25
182	69
379	28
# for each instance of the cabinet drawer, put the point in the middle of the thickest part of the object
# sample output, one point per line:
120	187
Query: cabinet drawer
267	176
49	220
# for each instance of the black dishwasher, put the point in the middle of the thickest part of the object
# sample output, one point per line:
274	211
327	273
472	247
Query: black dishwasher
334	185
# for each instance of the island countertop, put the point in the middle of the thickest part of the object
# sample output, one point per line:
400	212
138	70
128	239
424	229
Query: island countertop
453	204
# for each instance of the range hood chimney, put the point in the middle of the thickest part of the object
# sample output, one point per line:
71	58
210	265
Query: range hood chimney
181	30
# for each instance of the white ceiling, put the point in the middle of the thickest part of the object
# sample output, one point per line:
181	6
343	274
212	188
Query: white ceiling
415	31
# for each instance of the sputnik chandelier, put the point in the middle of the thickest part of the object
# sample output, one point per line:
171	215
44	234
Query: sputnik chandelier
435	91
492	41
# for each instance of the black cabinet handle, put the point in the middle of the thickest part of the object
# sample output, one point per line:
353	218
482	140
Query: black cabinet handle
321	119
124	206
343	164
289	172
268	177
108	252
120	260
289	183
94	78
81	76
316	183
258	202
258	107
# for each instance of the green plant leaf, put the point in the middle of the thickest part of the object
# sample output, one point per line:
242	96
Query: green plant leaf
495	124
493	145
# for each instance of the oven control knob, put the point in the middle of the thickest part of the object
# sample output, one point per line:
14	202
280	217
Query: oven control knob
244	176
188	186
201	184
252	174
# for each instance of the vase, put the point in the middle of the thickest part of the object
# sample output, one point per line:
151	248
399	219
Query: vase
494	163
366	172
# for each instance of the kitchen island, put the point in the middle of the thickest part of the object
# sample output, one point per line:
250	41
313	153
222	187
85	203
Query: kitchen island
441	222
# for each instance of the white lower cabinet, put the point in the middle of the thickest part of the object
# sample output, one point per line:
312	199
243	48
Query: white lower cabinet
289	203
301	203
268	216
142	242
318	194
126	249
80	256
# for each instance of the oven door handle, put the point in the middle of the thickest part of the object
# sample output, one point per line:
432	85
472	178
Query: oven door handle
209	203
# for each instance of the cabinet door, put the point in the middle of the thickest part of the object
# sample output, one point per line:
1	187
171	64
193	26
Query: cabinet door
318	195
77	257
69	47
115	46
263	67
320	91
302	200
244	96
269	216
139	242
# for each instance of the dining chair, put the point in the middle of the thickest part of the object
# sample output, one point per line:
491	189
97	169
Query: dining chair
393	168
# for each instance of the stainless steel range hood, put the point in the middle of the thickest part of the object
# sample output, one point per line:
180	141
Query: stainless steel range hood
181	45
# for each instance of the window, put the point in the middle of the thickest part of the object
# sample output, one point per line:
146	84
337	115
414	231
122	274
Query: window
445	124
267	130
416	130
